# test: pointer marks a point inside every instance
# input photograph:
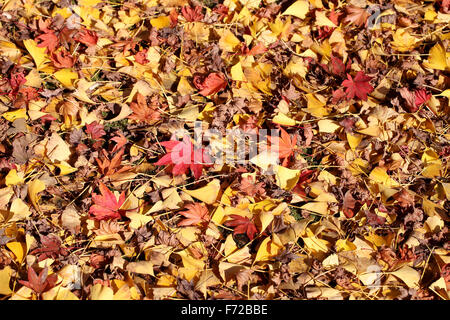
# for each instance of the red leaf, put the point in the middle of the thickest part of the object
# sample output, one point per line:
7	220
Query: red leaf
48	40
62	59
242	225
213	83
121	140
196	213
349	205
41	283
96	130
183	156
358	86
87	37
286	145
192	14
106	206
141	57
422	96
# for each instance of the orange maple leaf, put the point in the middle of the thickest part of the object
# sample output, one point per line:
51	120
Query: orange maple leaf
211	84
106	206
62	59
143	112
286	145
196	213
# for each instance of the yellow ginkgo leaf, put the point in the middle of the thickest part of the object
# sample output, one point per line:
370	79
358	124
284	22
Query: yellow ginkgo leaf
101	292
14	178
66	77
286	178
160	22
207	194
38	54
34	187
5	276
437	58
228	41
299	9
236	72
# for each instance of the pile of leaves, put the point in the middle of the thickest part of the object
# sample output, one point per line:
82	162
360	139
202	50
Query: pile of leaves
94	206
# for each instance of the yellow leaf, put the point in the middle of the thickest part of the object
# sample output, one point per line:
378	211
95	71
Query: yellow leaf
322	20
437	58
284	120
142	267
207	194
299	9
100	292
266	218
184	87
315	106
138	220
38	54
5	276
287	178
19	249
57	148
269	248
236	72
13	178
344	245
319	207
66	77
228	41
353	140
17	114
19	209
379	175
160	22
409	276
34	187
328	126
65	168
403	41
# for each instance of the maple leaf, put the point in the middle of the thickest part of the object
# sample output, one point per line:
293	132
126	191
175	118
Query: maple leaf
192	14
250	188
109	167
41	283
121	141
95	129
221	10
211	84
48	40
196	213
357	16
183	156
87	37
106	205
421	96
141	57
358	86
62	59
143	112
305	177
51	248
242	225
286	145
258	48
338	67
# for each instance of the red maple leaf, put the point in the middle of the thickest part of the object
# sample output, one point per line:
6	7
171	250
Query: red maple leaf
242	225
106	206
305	177
87	37
211	84
358	86
196	213
183	156
51	248
256	49
48	40
222	11
141	57
62	59
286	145
120	139
421	96
41	283
96	130
192	14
